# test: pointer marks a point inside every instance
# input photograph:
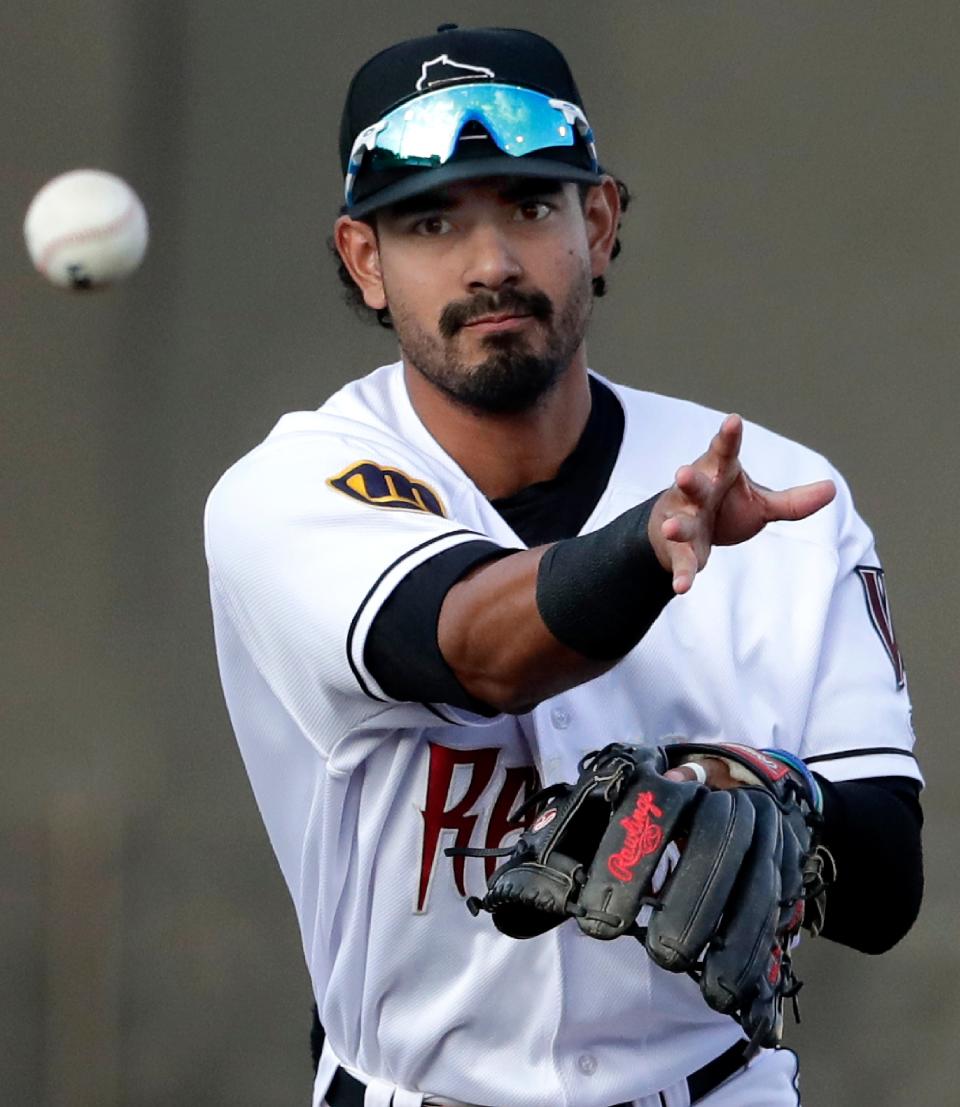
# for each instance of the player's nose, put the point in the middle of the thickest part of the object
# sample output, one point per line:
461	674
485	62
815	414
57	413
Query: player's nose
491	262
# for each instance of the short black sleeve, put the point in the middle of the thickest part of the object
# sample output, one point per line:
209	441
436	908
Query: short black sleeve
401	649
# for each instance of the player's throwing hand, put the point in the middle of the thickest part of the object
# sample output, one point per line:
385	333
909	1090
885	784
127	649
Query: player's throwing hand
713	502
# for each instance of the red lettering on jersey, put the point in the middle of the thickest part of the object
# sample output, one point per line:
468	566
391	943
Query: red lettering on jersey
437	817
875	593
520	783
643	837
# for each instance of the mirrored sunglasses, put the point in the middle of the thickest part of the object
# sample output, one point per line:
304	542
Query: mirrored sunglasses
423	132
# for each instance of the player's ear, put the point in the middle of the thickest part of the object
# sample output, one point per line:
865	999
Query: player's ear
359	249
601	212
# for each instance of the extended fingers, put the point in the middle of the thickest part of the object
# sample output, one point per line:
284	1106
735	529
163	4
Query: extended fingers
689	508
693	483
725	444
685	532
718	466
799	502
683	566
681	527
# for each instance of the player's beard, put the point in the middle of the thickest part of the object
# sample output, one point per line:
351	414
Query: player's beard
515	375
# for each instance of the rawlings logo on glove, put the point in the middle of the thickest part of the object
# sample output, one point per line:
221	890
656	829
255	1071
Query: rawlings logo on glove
643	837
730	908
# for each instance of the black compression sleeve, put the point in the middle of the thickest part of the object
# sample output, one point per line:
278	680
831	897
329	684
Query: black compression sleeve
599	593
872	828
401	650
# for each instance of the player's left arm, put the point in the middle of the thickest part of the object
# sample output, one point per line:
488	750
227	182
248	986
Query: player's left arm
872	830
858	739
858	744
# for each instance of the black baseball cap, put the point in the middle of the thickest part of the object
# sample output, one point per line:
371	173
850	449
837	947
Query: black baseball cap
455	56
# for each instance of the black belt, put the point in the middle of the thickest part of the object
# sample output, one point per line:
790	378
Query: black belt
346	1091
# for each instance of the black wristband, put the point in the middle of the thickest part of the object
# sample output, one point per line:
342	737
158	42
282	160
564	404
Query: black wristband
600	593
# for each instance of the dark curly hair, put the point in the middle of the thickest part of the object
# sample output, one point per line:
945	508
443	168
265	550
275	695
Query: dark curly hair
354	296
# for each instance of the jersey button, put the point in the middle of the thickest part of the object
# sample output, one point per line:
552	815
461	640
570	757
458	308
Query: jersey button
560	718
587	1064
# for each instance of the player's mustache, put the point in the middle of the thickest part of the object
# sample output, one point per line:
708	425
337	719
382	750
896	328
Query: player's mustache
510	301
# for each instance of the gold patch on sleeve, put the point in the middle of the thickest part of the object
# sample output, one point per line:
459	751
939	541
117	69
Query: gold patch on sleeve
383	487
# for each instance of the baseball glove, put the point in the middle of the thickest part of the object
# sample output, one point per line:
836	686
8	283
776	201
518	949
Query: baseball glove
745	870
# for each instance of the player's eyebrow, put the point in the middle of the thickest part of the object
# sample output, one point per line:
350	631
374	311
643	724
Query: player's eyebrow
441	199
523	188
437	200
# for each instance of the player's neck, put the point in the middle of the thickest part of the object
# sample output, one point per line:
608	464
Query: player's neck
504	453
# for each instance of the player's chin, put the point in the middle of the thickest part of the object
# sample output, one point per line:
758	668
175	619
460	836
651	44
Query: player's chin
508	343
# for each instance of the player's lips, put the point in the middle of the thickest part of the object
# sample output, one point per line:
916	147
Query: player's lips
486	324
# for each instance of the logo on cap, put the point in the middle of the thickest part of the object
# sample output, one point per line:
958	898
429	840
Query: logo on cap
442	71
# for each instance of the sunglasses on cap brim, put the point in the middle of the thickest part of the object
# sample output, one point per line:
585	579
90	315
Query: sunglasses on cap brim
423	133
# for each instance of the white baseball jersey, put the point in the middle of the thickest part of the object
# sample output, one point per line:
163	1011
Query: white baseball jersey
783	641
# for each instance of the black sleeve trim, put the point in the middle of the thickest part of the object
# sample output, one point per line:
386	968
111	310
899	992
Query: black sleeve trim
376	584
872	751
872	827
402	652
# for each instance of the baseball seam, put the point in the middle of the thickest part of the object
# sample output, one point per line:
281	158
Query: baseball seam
93	233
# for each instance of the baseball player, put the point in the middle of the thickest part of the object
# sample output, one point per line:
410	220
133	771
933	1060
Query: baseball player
468	569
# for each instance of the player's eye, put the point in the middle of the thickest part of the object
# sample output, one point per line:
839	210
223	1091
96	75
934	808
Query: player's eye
532	211
431	225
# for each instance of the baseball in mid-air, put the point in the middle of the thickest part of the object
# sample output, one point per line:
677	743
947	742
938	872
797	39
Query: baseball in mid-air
85	229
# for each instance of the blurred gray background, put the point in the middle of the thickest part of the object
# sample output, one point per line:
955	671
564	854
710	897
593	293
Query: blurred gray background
792	254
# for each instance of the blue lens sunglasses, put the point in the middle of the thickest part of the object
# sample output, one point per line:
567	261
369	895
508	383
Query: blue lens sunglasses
423	132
